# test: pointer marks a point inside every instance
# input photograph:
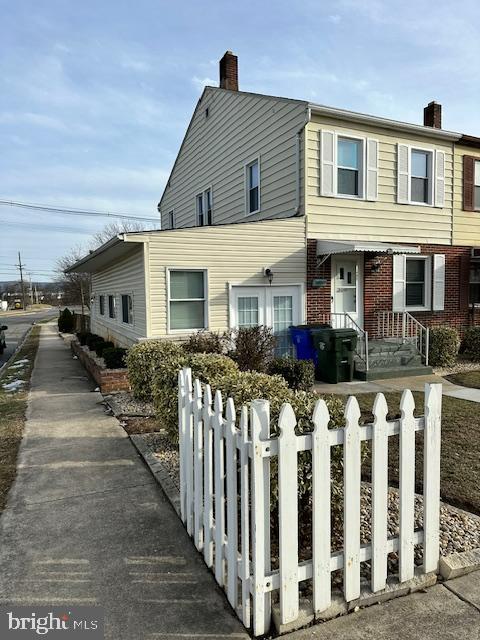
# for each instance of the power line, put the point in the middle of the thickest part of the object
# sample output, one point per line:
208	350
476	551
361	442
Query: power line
73	212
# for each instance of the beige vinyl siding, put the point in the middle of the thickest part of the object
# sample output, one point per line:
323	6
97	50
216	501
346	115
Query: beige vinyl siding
383	219
232	254
126	276
466	224
239	128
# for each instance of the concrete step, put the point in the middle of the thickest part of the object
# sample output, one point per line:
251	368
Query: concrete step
385	347
401	372
390	361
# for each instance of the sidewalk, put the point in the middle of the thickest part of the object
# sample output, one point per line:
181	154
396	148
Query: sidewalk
449	611
87	524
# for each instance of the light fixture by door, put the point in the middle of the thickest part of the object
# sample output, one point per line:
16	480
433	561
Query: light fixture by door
268	273
376	264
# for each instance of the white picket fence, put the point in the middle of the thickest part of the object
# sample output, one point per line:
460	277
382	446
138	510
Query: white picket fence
225	497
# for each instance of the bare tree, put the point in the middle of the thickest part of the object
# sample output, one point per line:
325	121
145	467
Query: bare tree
75	286
113	229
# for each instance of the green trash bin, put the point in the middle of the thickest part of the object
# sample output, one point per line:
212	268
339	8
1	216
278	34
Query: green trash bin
335	349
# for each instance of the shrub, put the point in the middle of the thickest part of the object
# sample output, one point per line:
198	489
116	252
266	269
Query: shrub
65	321
143	360
471	343
299	374
101	346
91	339
206	342
252	348
209	368
443	349
114	357
82	337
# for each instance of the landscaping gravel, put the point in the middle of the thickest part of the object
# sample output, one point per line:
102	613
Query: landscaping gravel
459	530
460	366
124	404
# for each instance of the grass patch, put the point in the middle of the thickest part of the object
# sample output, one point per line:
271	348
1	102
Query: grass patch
13	405
460	456
465	379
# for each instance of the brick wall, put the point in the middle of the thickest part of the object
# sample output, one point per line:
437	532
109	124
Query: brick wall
378	288
108	380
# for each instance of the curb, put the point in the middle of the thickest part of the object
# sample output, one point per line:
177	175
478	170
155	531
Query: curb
159	472
20	344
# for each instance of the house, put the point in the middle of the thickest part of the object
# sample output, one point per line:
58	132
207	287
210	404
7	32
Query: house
280	211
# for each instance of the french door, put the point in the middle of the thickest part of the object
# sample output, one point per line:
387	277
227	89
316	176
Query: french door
278	307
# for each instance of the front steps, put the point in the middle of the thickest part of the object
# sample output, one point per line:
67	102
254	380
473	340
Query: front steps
391	358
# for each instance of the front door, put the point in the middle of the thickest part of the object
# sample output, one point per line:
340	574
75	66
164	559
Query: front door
277	307
347	290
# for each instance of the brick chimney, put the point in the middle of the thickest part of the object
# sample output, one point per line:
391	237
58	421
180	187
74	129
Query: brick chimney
229	72
432	115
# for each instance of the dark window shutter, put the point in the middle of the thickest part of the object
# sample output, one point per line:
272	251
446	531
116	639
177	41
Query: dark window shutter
468	183
464	282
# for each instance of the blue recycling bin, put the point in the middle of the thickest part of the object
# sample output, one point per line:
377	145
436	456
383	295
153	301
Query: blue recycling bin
302	340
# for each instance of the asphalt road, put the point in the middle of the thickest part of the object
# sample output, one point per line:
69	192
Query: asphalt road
18	325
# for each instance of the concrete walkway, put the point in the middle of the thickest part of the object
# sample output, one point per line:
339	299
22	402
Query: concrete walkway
87	524
449	611
414	383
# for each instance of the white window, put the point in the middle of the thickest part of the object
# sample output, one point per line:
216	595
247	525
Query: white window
127	309
418	282
420	176
252	178
204	207
187	299
171	219
476	193
348	166
101	303
112	307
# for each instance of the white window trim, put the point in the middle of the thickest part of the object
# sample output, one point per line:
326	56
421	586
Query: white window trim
231	308
247	189
361	170
203	195
428	283
475	185
122	321
206	298
431	176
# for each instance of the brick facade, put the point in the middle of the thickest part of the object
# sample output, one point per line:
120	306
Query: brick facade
378	285
108	380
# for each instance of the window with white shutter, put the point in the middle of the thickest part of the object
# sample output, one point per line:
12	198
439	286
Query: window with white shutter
328	182
420	176
372	170
438	303
413	283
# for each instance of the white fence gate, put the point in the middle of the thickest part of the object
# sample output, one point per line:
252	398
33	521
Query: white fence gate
225	497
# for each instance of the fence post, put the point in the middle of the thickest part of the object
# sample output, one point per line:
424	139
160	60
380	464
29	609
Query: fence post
245	517
288	514
197	464
260	429
207	477
232	505
379	493
321	534
181	441
407	486
431	476
219	471
351	519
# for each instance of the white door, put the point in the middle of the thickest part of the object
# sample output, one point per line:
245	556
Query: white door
347	290
278	307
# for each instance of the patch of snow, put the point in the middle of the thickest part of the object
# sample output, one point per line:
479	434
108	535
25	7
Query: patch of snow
13	386
24	361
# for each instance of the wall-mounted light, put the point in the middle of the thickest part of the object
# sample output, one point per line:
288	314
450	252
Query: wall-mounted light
376	265
268	273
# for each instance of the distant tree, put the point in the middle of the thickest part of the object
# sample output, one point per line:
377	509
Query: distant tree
114	229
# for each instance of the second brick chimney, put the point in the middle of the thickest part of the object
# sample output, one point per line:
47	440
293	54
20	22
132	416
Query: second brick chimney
229	72
432	115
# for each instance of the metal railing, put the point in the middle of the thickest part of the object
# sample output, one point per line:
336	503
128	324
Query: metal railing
345	321
402	325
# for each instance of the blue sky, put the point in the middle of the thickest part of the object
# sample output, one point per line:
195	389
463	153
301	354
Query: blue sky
96	96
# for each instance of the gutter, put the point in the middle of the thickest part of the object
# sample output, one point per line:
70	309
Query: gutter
384	123
93	254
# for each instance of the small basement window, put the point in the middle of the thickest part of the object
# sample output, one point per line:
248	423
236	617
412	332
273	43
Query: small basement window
112	307
127	309
187	300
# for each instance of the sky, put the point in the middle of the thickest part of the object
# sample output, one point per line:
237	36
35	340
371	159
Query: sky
96	95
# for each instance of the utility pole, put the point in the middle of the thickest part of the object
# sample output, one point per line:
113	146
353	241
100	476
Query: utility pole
21	266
